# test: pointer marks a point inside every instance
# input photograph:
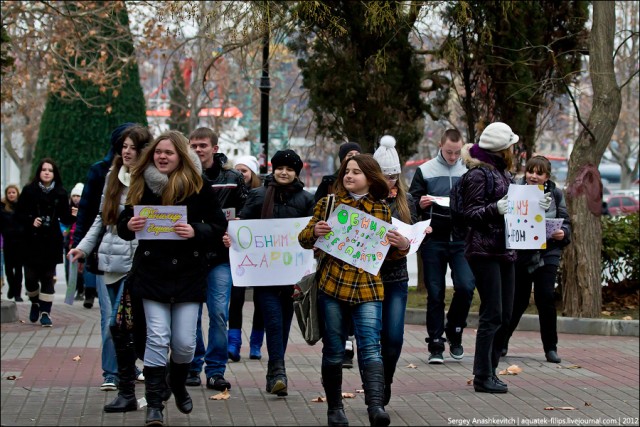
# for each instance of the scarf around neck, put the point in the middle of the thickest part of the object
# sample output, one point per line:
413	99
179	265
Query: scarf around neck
277	192
48	189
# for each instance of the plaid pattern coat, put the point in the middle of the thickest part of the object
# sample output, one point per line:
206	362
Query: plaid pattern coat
339	279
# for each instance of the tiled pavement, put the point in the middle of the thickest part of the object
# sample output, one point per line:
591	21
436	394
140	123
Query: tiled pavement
599	378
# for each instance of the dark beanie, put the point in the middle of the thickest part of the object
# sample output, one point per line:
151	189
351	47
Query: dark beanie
287	158
346	147
116	137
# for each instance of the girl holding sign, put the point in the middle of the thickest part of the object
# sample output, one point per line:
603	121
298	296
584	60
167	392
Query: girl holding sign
394	273
282	196
170	275
346	292
540	268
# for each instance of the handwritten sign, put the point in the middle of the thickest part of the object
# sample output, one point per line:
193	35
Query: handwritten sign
266	252
440	200
553	225
357	238
161	221
524	220
229	213
415	233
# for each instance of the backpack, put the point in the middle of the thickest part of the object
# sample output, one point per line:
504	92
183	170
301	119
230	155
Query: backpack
456	202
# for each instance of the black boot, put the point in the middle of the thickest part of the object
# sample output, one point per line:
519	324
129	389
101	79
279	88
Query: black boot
332	382
178	373
126	356
276	378
373	378
155	383
388	380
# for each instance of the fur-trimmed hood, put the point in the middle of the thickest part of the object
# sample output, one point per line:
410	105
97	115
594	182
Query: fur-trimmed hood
473	156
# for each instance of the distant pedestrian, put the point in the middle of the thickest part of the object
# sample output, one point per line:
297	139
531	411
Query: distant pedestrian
540	267
346	292
394	273
170	276
445	245
13	240
249	168
485	247
74	201
42	206
282	196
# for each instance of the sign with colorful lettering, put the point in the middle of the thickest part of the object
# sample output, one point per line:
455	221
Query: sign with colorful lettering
160	221
266	252
229	213
415	233
524	220
357	238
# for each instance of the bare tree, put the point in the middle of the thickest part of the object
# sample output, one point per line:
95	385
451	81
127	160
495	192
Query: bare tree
582	292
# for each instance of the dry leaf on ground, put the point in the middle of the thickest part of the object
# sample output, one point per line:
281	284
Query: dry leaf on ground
359	390
12	377
559	408
607	313
569	367
224	395
77	359
627	318
412	366
511	370
470	381
319	399
348	396
587	403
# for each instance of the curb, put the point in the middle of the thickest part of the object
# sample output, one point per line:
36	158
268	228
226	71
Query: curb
9	312
566	325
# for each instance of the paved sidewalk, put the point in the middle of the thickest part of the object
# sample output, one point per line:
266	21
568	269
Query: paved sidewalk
599	377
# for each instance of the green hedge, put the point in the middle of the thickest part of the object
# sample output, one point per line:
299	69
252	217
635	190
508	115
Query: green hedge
621	247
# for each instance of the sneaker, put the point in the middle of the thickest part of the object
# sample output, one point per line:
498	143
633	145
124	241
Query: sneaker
109	384
34	314
139	375
218	383
193	379
45	320
347	361
456	351
436	358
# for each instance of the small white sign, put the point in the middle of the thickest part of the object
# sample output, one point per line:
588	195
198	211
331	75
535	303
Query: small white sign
415	233
161	221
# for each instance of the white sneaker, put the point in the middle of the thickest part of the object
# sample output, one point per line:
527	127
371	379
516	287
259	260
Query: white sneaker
140	377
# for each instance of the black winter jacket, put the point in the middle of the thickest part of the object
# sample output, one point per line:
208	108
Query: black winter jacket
174	271
231	191
45	242
395	270
292	205
486	238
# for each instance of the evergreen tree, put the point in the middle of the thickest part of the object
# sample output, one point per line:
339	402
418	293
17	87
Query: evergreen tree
364	80
75	131
179	105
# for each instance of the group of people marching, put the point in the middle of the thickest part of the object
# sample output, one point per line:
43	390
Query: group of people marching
151	291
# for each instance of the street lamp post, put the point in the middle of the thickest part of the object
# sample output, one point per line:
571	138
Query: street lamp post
265	87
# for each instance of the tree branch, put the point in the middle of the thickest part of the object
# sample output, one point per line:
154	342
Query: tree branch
575	106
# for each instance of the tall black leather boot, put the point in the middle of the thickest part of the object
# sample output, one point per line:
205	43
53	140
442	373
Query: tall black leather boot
178	373
155	382
126	356
389	370
276	378
373	379
332	382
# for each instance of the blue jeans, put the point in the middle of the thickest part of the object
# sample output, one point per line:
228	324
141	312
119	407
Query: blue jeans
108	298
170	326
367	325
89	279
392	334
435	257
219	285
277	310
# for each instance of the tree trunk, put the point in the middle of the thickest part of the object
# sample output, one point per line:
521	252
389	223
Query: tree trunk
582	289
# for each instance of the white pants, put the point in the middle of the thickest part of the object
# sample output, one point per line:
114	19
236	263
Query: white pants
170	326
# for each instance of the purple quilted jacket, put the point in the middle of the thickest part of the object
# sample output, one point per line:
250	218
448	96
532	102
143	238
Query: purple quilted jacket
486	238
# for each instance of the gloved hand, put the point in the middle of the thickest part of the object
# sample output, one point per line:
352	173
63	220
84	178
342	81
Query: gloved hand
545	202
502	205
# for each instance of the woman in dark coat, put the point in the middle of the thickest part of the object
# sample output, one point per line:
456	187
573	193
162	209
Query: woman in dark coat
13	242
282	196
170	275
42	206
484	205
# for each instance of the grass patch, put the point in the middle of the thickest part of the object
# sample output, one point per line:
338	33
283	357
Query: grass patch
419	300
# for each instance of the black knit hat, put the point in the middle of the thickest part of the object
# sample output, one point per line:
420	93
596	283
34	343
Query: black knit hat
346	147
287	158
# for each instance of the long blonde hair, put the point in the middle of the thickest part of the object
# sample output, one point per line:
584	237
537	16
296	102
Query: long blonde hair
401	201
184	181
